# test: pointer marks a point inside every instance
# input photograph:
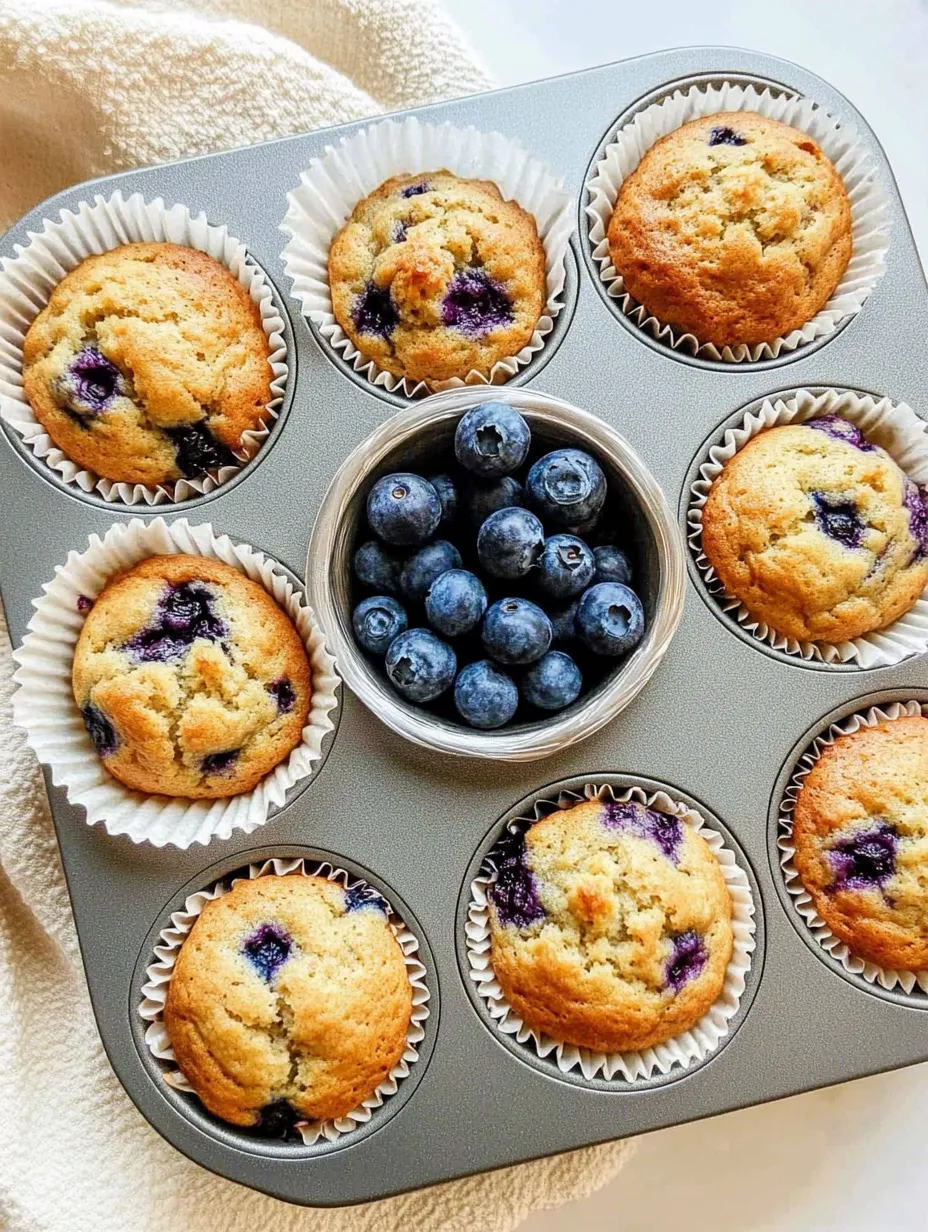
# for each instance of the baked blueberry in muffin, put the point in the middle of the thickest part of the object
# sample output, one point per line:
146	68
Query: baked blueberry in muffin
610	925
148	364
860	829
818	532
289	1002
735	228
191	680
435	276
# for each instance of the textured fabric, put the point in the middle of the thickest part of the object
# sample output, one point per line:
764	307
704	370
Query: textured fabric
90	87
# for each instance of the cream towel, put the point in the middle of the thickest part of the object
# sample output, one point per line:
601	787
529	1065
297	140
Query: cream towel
90	87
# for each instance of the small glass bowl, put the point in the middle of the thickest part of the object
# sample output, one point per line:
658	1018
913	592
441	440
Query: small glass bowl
405	442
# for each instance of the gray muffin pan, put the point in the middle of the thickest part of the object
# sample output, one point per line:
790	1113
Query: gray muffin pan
721	721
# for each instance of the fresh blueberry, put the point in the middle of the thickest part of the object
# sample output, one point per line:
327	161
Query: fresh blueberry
566	487
219	763
565	567
612	565
610	619
516	631
283	694
484	696
377	568
553	682
268	948
839	519
475	304
482	499
564	622
100	730
455	602
424	566
420	665
515	891
584	530
198	451
687	960
403	509
377	621
374	312
509	542
723	135
447	491
866	860
492	440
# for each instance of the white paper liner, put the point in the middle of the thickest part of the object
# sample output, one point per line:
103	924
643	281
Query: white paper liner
892	425
333	185
908	981
28	279
683	1050
870	219
172	937
44	705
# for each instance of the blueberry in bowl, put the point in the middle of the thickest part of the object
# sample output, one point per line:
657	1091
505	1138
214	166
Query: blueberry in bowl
498	561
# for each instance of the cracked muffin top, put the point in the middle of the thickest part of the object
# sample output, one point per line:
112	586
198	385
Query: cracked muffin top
734	228
434	276
191	680
289	1001
610	926
860	829
148	363
818	531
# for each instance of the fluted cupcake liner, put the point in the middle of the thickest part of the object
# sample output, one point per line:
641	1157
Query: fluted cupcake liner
334	183
44	705
870	220
915	983
28	280
682	1051
892	425
172	937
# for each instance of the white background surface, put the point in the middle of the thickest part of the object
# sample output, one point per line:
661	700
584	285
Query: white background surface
853	1158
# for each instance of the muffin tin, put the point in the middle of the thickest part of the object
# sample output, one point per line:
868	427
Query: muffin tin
721	722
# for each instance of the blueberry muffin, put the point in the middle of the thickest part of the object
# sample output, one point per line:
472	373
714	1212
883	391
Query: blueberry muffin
610	926
434	277
734	228
190	678
818	532
147	364
860	829
289	1001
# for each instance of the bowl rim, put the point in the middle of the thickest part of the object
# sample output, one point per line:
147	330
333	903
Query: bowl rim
526	742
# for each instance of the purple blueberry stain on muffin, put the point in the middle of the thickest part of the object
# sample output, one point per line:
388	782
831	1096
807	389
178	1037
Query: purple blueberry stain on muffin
475	304
185	613
864	861
362	895
687	960
415	190
841	430
374	312
661	828
83	604
278	1120
515	892
219	763
197	450
100	730
914	499
283	694
268	948
838	518
723	135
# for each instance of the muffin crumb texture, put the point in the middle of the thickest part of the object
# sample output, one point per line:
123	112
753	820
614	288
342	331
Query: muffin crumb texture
860	830
610	925
733	228
289	1001
434	277
148	364
818	532
191	680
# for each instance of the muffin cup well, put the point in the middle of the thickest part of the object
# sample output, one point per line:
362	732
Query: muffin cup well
172	938
333	185
870	221
683	1050
892	425
914	983
28	280
44	705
